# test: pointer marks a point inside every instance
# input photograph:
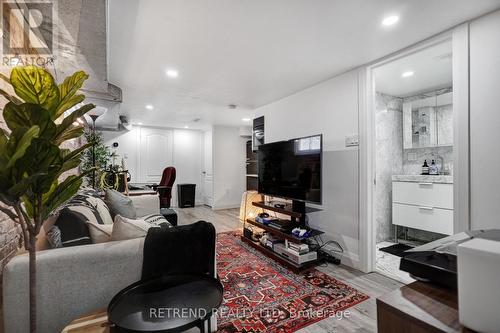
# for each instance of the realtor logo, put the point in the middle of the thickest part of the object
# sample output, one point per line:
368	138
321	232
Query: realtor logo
28	33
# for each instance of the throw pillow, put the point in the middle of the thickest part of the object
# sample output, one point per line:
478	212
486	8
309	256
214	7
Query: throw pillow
72	222
42	242
119	204
54	237
100	233
157	220
103	215
125	228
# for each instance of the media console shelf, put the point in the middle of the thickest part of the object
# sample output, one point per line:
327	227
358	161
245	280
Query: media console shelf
288	210
282	260
297	217
282	234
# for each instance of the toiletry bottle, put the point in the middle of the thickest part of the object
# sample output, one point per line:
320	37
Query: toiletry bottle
433	169
425	168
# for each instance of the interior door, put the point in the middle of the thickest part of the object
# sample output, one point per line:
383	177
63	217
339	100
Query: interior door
155	153
207	174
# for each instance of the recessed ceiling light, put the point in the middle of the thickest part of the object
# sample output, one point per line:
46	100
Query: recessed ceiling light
139	123
390	20
149	107
246	119
172	73
186	126
407	74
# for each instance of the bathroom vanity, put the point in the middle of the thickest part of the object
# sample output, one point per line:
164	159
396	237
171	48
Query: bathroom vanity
423	202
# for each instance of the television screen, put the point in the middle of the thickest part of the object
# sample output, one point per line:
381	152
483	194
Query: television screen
292	169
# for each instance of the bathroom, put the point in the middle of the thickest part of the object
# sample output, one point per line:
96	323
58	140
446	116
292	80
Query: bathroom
413	154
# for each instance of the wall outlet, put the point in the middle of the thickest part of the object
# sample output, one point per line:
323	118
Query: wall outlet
352	140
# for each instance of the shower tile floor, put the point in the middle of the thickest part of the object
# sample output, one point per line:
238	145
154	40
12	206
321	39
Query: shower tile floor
388	265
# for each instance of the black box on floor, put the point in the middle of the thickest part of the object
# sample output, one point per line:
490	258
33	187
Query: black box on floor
186	195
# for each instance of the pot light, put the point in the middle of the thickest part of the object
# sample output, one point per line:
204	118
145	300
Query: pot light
390	20
149	107
246	119
172	73
186	126
139	123
407	74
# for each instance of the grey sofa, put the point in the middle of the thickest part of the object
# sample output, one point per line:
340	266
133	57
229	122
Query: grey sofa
73	281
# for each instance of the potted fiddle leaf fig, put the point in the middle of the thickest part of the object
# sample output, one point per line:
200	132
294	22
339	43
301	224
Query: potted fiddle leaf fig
33	159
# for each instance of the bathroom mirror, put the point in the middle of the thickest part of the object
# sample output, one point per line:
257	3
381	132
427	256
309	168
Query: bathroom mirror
428	120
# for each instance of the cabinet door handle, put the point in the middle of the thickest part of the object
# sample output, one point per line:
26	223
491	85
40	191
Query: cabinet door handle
425	208
425	184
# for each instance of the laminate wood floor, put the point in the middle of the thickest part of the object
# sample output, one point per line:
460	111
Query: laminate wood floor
362	317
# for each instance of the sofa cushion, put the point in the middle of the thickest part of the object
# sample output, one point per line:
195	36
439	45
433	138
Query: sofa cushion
100	233
119	204
125	228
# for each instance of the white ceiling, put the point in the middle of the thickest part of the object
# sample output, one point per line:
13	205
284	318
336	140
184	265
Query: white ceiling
253	52
432	70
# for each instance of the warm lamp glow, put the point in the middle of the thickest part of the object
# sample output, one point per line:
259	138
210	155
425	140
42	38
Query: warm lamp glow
247	210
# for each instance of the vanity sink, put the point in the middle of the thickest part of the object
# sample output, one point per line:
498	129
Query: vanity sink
442	179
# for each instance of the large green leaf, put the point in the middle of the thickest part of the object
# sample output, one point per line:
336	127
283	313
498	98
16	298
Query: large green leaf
67	91
62	193
23	144
35	85
26	115
72	132
41	156
70	154
71	118
21	187
4	156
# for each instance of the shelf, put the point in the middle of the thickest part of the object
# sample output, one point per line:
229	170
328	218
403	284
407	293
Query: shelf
273	255
282	234
286	211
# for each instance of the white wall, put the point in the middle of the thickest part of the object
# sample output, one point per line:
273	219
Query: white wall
329	108
485	122
229	168
186	155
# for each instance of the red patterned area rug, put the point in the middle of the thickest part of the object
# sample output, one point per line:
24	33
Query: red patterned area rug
262	296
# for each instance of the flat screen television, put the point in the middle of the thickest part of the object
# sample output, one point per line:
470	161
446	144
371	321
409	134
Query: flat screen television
292	169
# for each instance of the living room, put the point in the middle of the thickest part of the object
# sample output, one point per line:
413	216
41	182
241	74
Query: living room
264	166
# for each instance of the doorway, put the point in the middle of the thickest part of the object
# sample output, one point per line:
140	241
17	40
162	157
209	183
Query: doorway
394	110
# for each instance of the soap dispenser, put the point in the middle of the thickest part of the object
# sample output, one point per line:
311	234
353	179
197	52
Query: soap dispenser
433	168
425	168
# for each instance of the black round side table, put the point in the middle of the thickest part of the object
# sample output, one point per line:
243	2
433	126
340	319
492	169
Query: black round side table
167	304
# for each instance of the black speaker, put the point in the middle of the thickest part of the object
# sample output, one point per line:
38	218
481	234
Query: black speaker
186	195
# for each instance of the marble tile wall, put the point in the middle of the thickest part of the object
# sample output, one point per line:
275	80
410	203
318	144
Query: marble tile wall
414	158
389	159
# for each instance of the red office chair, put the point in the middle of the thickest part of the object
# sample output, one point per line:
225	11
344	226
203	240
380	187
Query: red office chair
165	187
